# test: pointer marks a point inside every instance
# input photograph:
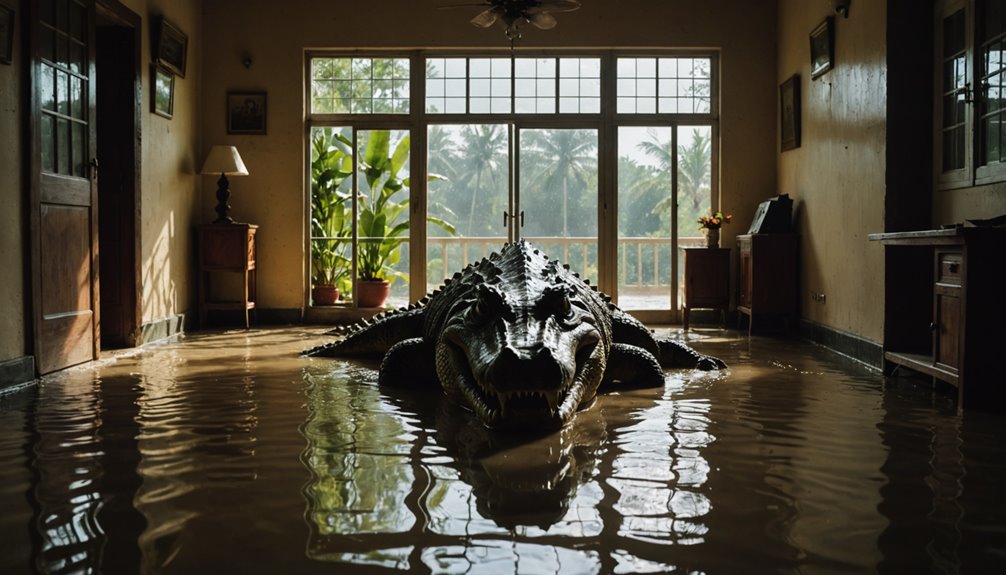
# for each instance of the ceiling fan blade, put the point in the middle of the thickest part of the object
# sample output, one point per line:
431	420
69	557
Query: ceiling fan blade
487	18
462	5
557	6
542	20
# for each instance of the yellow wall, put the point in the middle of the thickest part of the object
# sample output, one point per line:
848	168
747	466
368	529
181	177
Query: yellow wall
275	35
12	225
170	184
837	176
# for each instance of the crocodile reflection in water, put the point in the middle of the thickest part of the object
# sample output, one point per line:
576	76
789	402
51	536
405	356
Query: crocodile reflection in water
522	480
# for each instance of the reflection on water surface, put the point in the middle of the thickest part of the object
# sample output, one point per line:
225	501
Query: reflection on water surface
229	453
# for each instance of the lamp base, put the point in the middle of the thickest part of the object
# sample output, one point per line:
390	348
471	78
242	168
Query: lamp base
223	194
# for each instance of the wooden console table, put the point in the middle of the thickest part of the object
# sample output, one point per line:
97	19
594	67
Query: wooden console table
707	281
227	248
944	311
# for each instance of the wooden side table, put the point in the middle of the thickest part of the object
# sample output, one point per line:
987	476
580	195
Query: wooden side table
707	281
227	248
767	277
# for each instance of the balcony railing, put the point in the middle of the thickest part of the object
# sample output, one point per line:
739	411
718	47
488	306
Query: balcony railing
644	271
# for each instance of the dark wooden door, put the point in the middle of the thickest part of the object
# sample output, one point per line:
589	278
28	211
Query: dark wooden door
63	215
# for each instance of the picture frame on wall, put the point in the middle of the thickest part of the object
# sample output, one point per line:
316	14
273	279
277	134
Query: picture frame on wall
172	45
789	113
6	34
822	47
162	95
246	113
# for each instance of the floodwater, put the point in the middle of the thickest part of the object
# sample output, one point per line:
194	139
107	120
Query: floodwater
228	453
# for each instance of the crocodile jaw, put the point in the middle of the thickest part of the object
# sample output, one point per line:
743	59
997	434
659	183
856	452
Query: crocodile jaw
546	406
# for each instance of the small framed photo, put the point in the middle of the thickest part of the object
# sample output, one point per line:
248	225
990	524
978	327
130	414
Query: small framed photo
162	96
246	112
789	113
822	47
6	34
172	45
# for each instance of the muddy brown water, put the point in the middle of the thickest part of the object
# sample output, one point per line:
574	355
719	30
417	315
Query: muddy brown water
228	453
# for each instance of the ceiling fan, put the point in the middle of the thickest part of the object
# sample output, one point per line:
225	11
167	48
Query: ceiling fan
512	12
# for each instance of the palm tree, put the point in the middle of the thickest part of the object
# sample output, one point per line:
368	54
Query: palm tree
561	158
694	171
484	153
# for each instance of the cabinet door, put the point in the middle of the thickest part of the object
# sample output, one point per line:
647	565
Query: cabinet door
745	278
947	309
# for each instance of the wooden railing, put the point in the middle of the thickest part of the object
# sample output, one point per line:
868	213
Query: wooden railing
645	263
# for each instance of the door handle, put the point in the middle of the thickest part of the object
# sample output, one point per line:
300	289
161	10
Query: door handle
506	218
93	164
522	218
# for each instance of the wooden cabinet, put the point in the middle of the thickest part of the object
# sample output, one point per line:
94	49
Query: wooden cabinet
227	248
707	281
767	281
943	310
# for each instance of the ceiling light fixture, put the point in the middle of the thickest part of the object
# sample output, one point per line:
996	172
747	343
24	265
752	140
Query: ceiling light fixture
512	13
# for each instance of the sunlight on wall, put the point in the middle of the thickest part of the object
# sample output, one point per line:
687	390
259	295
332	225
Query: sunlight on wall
837	175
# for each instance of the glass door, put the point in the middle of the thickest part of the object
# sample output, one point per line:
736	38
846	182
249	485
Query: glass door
555	203
468	195
664	185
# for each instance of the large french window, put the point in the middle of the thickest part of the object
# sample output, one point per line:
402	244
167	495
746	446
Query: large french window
422	163
971	43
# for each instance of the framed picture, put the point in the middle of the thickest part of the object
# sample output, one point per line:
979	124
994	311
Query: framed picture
171	47
162	96
822	46
789	112
6	35
246	112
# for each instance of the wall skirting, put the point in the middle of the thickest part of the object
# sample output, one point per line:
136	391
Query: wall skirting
868	352
17	372
161	329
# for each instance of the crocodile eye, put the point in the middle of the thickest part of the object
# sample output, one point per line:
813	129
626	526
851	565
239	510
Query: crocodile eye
555	303
489	305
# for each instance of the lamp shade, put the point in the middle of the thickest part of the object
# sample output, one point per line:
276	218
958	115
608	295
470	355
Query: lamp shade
224	160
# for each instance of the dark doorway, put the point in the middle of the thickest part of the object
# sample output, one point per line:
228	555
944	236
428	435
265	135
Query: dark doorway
117	64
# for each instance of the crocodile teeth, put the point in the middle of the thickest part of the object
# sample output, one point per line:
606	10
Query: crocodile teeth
553	399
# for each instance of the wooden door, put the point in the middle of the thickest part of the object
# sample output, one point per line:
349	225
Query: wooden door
63	214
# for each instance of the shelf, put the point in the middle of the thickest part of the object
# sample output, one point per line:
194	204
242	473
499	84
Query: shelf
922	364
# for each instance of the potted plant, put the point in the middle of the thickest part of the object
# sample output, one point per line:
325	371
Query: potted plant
383	218
710	226
331	215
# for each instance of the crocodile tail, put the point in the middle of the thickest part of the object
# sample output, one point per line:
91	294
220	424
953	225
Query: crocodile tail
373	338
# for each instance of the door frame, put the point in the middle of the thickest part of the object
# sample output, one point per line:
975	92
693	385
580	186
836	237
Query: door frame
121	16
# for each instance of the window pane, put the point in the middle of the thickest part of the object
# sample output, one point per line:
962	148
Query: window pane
469	167
383	209
331	208
353	85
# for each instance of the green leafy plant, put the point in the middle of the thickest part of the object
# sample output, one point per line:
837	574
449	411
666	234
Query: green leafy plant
383	211
331	210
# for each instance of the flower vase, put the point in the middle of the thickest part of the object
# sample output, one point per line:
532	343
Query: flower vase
712	237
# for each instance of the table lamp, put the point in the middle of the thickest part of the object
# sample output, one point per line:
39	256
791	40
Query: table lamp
226	161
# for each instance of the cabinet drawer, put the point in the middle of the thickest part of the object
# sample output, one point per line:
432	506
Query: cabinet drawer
949	266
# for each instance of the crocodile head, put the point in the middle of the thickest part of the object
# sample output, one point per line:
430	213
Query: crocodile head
524	349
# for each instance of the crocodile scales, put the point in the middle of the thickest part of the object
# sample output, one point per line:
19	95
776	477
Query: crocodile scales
517	338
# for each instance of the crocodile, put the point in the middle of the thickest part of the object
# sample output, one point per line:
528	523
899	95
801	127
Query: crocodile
518	338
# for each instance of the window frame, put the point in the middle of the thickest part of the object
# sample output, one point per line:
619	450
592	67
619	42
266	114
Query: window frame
607	121
976	170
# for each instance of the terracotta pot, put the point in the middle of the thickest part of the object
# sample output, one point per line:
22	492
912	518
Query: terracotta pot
372	293
712	237
325	295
